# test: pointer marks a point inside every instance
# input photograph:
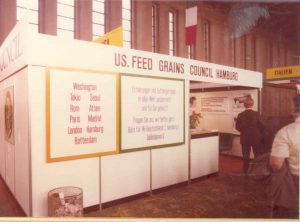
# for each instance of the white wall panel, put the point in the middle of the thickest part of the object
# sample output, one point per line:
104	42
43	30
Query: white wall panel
10	166
22	150
15	157
83	173
2	147
204	156
7	149
124	175
169	166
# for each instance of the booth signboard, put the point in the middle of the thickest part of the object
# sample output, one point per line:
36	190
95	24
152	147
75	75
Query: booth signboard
287	72
83	122
152	114
238	101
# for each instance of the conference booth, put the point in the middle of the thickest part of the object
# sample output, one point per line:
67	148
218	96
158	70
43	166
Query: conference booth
111	120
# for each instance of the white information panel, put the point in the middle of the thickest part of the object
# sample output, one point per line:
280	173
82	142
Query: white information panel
152	112
218	104
82	118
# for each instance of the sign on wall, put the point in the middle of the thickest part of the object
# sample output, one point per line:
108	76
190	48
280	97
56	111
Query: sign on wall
223	107
152	113
214	104
9	134
82	114
238	104
287	72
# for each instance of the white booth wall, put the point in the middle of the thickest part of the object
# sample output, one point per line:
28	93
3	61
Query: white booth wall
170	166
124	175
24	165
102	179
29	177
15	158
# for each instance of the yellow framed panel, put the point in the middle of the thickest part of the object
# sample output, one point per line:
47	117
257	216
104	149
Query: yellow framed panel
131	102
114	150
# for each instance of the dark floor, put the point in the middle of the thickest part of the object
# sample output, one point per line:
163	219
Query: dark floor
8	205
227	195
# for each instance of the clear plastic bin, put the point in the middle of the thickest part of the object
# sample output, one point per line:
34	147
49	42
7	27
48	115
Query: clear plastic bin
65	202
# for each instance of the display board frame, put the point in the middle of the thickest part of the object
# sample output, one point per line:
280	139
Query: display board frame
115	150
142	148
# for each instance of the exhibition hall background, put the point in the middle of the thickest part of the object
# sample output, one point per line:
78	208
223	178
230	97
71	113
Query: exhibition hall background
268	36
147	27
251	36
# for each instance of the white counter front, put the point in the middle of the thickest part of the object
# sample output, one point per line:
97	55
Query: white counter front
204	154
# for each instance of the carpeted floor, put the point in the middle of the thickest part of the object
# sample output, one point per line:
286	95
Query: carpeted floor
8	204
223	196
227	195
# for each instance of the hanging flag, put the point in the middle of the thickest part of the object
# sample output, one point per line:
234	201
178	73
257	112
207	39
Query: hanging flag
190	25
114	37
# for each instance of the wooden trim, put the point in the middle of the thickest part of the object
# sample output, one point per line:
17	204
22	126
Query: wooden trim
206	40
216	89
204	135
113	15
8	12
170	187
124	200
83	20
91	209
154	7
279	86
48	17
133	24
205	177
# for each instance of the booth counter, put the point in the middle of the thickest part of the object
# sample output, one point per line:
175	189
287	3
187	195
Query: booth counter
110	120
205	153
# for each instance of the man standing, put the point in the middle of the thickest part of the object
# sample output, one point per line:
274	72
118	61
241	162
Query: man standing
285	149
251	132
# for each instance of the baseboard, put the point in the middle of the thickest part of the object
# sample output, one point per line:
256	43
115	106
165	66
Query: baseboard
170	187
134	197
145	194
202	178
124	200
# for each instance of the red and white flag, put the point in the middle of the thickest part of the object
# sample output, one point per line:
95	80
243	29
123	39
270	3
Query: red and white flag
190	25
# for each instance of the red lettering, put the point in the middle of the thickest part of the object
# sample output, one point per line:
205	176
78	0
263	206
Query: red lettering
141	63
